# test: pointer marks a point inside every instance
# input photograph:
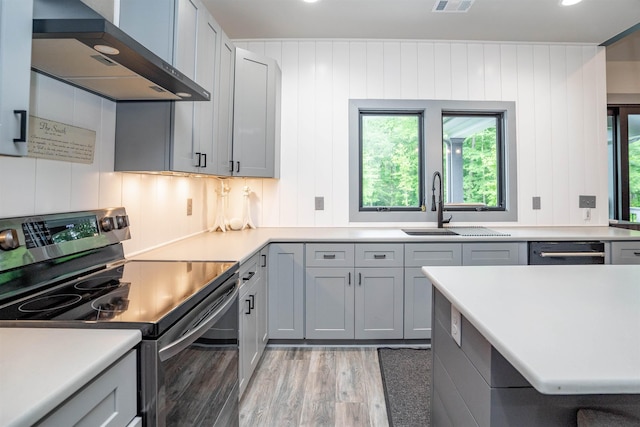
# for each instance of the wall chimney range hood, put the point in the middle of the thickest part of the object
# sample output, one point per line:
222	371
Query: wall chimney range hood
73	43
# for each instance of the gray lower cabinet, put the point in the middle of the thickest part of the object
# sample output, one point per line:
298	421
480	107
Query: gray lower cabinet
329	303
248	312
108	400
417	288
510	253
286	290
262	303
348	297
625	252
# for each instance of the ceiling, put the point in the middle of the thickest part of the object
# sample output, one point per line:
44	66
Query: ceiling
592	21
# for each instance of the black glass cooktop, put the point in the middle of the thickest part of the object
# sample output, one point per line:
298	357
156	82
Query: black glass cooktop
151	294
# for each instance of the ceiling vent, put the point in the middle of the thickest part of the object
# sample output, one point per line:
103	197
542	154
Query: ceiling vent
452	6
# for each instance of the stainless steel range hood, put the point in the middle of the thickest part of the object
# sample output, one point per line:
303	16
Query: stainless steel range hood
73	43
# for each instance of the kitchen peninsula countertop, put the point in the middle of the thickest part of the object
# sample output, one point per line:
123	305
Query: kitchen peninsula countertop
41	367
571	329
240	245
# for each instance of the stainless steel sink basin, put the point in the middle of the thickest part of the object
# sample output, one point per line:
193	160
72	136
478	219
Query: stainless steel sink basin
429	232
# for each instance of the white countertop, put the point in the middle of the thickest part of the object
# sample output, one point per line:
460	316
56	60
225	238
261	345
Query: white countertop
240	245
567	329
40	368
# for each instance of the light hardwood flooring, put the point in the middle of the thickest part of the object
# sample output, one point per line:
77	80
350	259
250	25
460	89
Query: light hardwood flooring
315	386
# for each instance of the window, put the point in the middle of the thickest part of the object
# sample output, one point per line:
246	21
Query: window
623	127
390	169
396	146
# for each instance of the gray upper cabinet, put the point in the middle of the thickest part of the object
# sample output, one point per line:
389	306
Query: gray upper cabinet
223	163
172	136
256	116
15	78
625	252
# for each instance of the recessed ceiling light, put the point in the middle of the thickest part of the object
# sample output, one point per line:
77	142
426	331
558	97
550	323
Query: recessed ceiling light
569	2
310	1
106	49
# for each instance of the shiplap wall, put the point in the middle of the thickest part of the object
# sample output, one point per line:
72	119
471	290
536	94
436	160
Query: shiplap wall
156	205
560	95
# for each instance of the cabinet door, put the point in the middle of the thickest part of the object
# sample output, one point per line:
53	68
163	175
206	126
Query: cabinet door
417	304
261	303
329	303
254	114
247	334
379	303
223	162
184	143
286	291
15	78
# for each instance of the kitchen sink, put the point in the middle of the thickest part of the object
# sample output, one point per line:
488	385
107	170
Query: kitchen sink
429	232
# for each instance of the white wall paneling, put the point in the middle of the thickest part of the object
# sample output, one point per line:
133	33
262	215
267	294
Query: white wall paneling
559	90
560	94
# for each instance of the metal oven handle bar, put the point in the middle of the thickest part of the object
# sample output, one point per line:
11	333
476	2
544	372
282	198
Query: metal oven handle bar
189	338
571	254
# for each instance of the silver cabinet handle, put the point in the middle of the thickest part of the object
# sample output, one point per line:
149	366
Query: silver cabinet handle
571	254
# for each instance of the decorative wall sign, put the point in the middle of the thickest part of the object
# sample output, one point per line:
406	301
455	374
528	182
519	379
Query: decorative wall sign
59	141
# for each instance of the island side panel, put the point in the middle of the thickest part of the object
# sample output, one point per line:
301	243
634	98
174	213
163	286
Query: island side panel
476	385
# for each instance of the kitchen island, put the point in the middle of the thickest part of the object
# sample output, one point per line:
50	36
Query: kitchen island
537	343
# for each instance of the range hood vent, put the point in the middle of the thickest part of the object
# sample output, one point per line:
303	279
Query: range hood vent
73	43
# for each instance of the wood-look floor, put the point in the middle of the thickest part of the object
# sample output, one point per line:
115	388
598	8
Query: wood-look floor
318	386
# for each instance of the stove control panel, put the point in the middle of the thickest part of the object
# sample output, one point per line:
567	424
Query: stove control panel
27	240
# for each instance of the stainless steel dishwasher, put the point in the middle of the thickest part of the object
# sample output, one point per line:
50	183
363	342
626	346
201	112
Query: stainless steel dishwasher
566	253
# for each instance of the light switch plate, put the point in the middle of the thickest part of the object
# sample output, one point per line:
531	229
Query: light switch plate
456	325
319	203
536	202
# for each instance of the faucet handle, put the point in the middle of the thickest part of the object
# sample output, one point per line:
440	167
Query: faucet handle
447	220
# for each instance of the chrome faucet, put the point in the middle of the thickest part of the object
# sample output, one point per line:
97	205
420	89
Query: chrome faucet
433	199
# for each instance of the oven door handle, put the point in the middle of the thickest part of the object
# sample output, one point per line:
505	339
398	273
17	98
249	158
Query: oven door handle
190	337
544	254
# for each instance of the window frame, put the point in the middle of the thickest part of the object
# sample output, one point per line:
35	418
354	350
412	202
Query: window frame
421	180
620	169
432	158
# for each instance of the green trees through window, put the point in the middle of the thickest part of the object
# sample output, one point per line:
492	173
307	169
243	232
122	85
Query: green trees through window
391	160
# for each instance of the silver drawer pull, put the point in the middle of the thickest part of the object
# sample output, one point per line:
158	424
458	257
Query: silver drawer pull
329	256
571	254
378	256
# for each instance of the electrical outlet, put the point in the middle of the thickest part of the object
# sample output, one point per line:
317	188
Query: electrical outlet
319	203
587	201
456	325
189	207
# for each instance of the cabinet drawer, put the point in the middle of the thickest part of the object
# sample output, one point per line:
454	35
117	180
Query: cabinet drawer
380	255
420	254
494	253
625	252
329	255
108	400
248	270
